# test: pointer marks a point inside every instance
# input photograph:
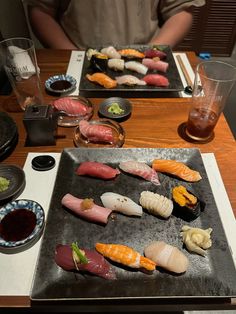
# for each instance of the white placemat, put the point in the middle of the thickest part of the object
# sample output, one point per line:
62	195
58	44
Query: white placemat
16	271
77	59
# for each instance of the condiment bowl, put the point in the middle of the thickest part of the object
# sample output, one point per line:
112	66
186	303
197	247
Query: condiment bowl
123	105
60	84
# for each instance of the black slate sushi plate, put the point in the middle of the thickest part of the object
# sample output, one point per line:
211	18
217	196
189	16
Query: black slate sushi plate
90	89
208	278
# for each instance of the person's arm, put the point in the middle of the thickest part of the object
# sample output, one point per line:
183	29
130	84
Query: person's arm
48	30
174	29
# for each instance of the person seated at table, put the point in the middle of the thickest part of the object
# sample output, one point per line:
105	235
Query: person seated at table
79	24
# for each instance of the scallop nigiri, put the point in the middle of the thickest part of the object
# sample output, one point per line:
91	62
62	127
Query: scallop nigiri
136	67
176	168
122	204
111	52
131	53
129	80
125	255
140	169
96	169
102	79
167	256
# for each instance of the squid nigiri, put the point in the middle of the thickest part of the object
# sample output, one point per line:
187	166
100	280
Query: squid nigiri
131	53
176	168
122	204
156	80
125	255
116	64
86	208
111	52
84	260
96	133
129	80
96	169
136	66
167	256
140	169
102	79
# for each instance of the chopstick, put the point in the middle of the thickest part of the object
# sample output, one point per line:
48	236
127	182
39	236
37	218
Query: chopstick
184	70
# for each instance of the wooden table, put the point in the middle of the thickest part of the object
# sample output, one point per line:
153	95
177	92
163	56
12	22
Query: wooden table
154	123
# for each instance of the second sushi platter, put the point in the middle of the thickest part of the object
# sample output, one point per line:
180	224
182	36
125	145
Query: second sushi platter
208	276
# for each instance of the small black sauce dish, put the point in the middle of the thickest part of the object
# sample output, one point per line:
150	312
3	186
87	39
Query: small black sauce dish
123	104
60	84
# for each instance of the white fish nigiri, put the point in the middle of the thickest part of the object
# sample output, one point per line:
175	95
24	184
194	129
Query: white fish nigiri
140	169
122	204
156	204
129	80
167	256
116	64
111	52
136	66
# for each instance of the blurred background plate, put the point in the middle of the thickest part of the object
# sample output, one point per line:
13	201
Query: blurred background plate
8	131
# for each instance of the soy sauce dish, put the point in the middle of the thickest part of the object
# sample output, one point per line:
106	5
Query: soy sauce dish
60	84
115	108
21	224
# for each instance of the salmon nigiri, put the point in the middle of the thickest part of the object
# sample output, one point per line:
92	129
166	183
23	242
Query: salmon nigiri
176	168
125	255
131	53
102	79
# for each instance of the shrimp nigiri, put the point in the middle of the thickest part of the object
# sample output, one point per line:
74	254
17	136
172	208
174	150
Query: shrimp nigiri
125	255
102	79
176	168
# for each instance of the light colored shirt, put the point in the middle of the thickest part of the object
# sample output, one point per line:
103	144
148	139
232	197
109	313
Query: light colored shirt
93	23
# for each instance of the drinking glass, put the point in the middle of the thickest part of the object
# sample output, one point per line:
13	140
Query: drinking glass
213	83
20	63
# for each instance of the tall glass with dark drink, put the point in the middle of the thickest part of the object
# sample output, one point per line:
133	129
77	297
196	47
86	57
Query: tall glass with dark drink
213	83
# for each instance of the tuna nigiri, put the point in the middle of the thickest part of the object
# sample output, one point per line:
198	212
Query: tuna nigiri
86	208
71	106
156	80
177	169
136	66
131	53
102	79
96	133
125	255
140	169
155	65
129	80
84	260
122	204
154	52
167	256
97	169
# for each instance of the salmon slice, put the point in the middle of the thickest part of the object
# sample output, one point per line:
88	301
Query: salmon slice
177	169
125	255
102	79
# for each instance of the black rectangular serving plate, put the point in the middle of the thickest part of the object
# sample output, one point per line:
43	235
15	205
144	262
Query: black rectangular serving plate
91	89
212	276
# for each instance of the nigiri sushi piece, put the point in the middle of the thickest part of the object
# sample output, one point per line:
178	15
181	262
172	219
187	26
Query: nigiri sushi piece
96	133
111	52
122	204
71	257
129	80
96	169
177	169
99	62
116	64
90	52
125	255
136	67
131	53
102	79
156	80
154	52
156	204
86	208
167	256
71	106
140	169
155	65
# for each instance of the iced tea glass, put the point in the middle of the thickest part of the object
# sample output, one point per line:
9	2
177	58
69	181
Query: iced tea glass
213	83
19	61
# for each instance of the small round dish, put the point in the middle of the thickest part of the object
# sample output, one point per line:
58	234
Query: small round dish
72	109
61	83
15	207
16	177
96	129
122	103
